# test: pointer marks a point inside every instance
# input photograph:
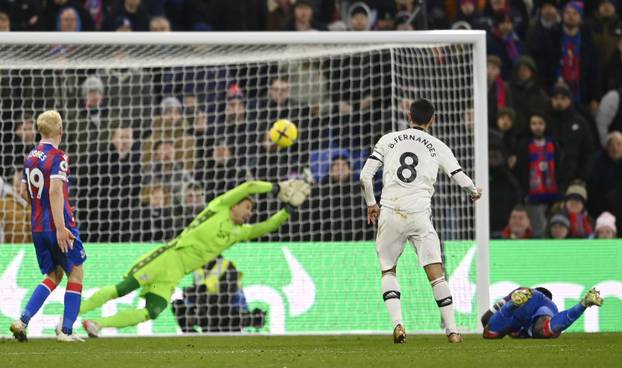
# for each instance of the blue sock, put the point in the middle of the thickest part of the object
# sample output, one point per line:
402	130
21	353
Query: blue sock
564	319
73	297
38	297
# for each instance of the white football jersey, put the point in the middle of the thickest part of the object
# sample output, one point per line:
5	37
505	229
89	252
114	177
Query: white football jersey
411	159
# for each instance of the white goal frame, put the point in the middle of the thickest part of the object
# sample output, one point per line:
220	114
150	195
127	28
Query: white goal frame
476	38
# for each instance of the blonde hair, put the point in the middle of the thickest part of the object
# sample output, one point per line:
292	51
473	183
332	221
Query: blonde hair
49	123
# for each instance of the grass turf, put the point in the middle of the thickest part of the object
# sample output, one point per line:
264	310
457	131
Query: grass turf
571	350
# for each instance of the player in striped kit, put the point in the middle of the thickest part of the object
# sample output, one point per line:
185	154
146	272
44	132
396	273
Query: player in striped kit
54	231
411	159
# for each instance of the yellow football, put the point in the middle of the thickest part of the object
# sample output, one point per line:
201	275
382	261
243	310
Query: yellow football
283	133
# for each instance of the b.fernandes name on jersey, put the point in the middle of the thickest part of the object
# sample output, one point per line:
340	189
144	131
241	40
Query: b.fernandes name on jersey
412	137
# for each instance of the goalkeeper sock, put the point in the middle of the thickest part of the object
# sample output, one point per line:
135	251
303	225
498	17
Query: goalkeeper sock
564	319
443	298
391	295
73	296
38	297
125	318
98	299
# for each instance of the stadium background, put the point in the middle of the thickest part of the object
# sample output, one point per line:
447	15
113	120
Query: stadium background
590	155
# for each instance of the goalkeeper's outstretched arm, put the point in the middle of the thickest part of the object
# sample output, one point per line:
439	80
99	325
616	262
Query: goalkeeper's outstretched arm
235	195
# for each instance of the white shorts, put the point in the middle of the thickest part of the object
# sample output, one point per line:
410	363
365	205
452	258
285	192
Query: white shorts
396	227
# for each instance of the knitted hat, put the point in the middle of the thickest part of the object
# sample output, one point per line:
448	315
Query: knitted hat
605	220
576	5
169	103
92	83
562	89
577	191
528	61
560	219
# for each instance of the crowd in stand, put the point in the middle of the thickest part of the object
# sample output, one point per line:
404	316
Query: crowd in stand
554	74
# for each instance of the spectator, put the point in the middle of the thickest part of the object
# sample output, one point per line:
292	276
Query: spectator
223	172
130	14
404	22
505	190
571	132
602	26
243	132
117	186
68	20
542	42
609	115
468	16
578	64
505	126
87	125
171	126
5	20
558	226
340	203
498	92
192	203
159	24
163	169
156	215
50	14
97	10
359	17
277	103
519	225
303	19
503	42
279	15
516	10
536	170
14	213
527	95
574	209
606	226
606	173
613	72
23	140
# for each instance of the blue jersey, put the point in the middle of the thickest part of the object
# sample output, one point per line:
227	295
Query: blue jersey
521	321
45	163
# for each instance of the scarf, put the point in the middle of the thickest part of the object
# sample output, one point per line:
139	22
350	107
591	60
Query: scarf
507	234
501	93
542	183
570	66
580	226
509	40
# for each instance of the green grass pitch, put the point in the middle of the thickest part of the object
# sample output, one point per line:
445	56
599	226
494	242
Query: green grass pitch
571	350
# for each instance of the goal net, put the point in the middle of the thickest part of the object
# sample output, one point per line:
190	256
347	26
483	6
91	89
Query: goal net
157	127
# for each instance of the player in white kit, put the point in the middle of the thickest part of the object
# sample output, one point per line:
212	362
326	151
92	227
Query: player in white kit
410	159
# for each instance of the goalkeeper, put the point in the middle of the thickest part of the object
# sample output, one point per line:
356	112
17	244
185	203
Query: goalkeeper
220	225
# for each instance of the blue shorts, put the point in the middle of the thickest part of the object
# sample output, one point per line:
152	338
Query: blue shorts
50	256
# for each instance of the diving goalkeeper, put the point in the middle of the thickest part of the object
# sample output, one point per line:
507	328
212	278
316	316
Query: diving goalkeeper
220	225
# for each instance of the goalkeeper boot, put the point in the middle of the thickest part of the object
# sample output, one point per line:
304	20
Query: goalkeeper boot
63	337
18	329
91	327
521	296
399	335
454	338
592	298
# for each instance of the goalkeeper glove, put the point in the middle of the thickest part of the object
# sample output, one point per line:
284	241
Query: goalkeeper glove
294	192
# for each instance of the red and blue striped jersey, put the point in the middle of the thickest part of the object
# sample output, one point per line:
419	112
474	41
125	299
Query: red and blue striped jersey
44	163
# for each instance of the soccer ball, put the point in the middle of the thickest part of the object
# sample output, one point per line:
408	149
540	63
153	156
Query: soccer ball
283	133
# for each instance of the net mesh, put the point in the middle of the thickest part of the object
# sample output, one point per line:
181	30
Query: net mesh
155	132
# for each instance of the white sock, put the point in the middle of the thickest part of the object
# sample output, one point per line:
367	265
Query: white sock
442	295
391	295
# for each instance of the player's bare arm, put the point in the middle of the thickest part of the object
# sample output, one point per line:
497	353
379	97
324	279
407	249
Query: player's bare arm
63	235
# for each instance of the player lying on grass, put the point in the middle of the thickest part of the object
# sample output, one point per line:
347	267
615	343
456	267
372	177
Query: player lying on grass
530	313
54	230
220	225
411	159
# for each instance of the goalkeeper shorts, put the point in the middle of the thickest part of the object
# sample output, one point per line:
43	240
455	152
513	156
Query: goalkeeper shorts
159	275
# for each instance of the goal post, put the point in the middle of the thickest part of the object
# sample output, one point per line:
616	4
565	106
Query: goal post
193	110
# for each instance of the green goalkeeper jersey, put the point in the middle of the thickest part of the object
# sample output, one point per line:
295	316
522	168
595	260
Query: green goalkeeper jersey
212	231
